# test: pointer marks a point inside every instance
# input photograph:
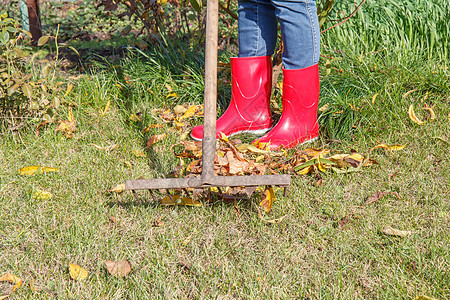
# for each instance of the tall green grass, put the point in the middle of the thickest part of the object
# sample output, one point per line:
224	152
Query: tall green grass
421	26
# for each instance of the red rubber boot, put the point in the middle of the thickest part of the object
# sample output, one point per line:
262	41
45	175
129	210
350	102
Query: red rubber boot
250	95
298	122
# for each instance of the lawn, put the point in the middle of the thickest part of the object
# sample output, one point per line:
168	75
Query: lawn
327	238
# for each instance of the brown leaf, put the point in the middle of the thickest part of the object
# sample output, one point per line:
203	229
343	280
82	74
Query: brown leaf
120	268
375	197
378	195
249	190
69	126
158	223
343	221
154	139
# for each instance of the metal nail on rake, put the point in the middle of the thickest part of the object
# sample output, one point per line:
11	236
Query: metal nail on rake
207	178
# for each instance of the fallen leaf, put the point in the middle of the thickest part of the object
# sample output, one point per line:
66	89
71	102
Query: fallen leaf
29	171
120	268
13	279
106	109
77	273
324	107
49	170
152	126
33	170
191	110
268	199
413	117
179	109
178	200
69	89
423	297
407	93
119	188
273	221
343	221
127	163
167	115
69	126
138	153
154	139
391	231
375	197
135	118
108	148
431	111
41	195
374	98
174	95
158	223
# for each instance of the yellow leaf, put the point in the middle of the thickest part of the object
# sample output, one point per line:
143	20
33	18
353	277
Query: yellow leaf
127	163
356	156
391	231
178	200
423	297
390	147
431	111
321	166
304	171
77	273
119	188
374	98
29	171
135	118
269	198
69	89
139	153
49	170
152	126
324	107
106	109
407	93
178	124
172	95
222	136
41	195
12	279
413	117
189	112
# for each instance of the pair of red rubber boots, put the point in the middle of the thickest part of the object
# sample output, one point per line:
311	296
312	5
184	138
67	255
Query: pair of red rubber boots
249	109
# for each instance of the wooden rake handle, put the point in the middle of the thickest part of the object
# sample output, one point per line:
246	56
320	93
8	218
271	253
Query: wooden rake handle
210	96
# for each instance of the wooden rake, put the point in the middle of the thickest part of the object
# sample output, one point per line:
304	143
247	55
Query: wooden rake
207	179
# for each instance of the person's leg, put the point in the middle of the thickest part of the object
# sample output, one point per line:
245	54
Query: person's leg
249	109
257	28
300	31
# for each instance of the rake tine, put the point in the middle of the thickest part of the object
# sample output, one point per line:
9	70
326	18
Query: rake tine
151	194
136	196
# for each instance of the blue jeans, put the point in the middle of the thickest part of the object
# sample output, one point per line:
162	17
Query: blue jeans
299	30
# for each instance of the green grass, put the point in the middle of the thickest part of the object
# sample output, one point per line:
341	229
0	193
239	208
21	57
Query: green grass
213	251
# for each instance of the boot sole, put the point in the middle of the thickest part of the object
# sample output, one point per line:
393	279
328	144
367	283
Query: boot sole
256	132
